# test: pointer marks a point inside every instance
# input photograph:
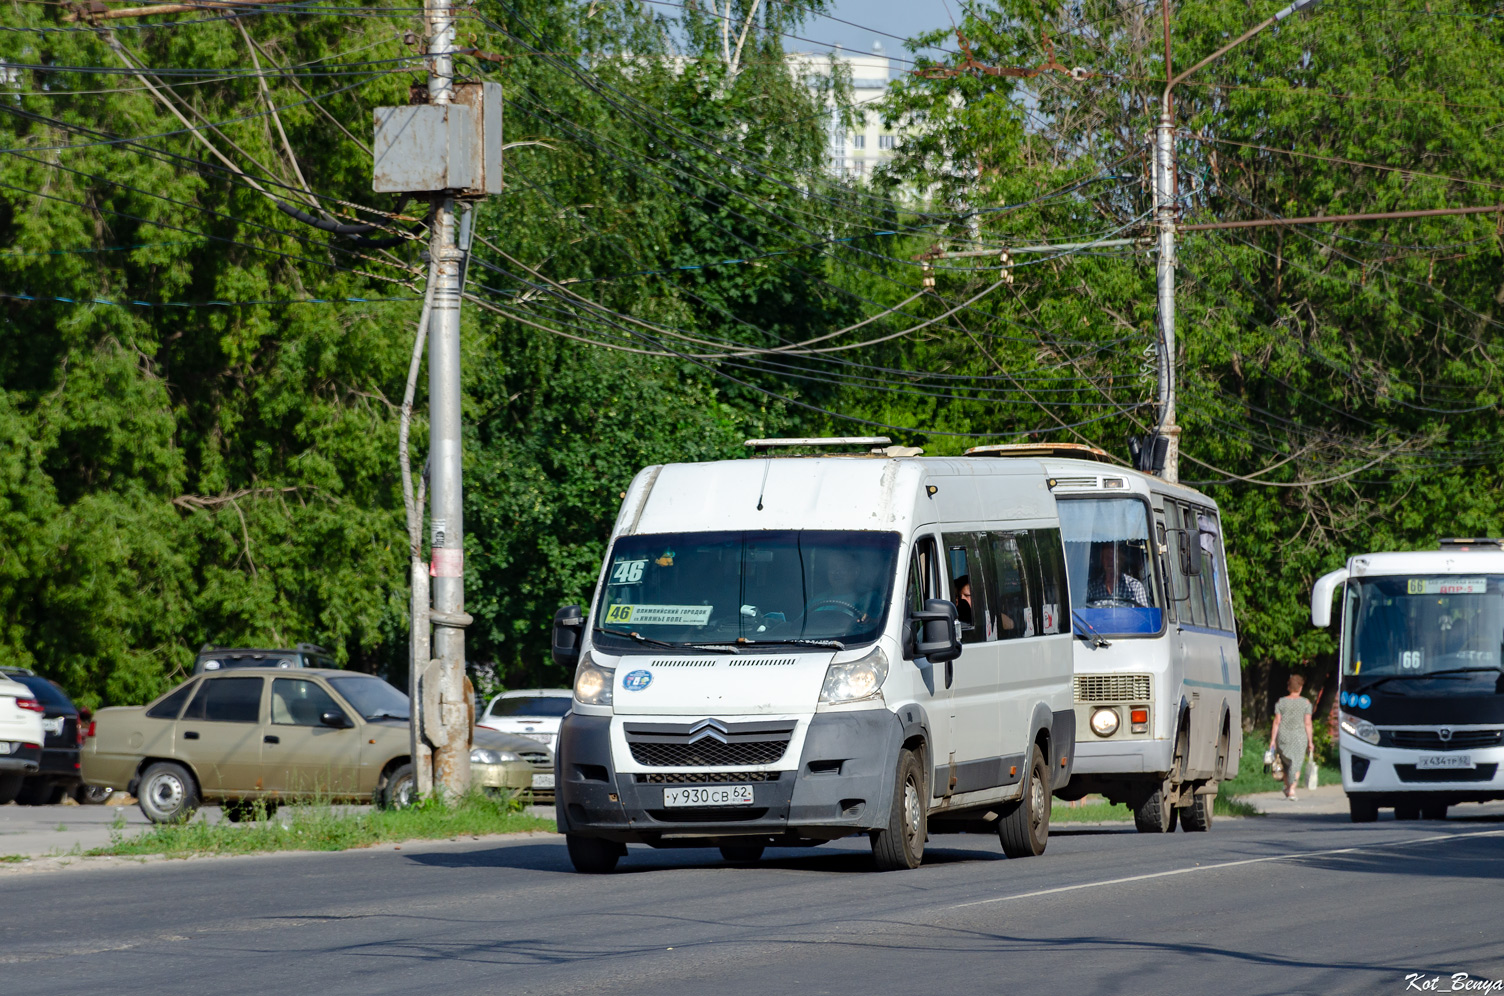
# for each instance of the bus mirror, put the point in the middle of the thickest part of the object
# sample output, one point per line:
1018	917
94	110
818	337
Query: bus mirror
1190	552
1321	597
939	637
569	626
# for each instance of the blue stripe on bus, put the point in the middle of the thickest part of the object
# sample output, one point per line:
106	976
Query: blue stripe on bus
1212	684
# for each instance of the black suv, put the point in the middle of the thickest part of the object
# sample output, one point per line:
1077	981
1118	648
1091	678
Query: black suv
62	736
212	658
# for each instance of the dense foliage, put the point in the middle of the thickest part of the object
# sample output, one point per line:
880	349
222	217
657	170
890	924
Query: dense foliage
189	454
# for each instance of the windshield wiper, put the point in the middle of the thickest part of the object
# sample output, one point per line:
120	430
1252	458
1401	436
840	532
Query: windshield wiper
1097	639
649	641
835	644
1447	672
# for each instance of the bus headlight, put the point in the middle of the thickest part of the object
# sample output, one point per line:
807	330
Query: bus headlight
1360	728
1104	722
592	683
852	681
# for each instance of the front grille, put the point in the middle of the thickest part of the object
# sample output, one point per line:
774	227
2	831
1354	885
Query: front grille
1410	773
708	753
1431	740
740	814
708	744
537	758
705	777
1112	688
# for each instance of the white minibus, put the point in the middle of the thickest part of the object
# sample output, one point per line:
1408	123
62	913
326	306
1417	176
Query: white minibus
1158	679
1422	693
789	650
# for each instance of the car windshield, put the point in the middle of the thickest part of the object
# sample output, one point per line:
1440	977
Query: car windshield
770	586
372	697
1106	556
542	705
1418	626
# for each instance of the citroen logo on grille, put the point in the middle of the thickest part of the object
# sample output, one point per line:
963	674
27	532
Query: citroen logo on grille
1445	733
707	729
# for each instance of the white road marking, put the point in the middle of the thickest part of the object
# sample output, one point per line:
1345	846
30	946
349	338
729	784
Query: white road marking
1229	864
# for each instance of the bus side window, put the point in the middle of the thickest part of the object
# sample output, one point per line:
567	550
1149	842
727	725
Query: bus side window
1195	583
1211	570
1212	540
968	589
1014	586
1173	593
1054	596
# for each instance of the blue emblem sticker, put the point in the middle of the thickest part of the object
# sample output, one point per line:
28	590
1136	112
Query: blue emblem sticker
636	681
1364	702
1344	697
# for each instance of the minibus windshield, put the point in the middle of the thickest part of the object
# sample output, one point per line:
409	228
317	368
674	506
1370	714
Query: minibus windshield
1106	557
1424	626
768	586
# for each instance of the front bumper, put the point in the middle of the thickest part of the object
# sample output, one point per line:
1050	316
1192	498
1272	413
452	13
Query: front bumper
1121	757
20	758
511	776
843	785
1391	773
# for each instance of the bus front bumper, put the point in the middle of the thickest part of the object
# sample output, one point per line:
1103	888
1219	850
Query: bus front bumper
843	785
1121	757
1390	773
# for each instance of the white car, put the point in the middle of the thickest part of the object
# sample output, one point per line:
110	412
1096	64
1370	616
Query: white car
534	713
21	736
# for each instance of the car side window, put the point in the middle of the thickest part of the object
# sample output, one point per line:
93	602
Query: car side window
169	707
227	700
299	702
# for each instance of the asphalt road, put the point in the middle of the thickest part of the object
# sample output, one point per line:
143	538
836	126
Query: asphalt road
1291	904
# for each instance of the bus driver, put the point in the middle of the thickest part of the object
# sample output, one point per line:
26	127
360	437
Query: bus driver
1114	579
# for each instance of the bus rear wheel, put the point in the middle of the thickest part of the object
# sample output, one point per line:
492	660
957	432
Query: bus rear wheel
1197	817
1153	814
1436	812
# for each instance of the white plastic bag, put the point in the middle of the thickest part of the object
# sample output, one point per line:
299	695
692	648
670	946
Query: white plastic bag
1311	772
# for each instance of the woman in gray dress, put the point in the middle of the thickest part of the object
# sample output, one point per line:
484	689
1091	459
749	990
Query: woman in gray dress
1291	734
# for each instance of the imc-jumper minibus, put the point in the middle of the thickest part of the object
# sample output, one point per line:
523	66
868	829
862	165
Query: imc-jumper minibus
1158	680
1422	686
790	650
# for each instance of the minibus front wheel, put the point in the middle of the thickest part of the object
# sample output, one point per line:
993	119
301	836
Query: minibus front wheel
901	843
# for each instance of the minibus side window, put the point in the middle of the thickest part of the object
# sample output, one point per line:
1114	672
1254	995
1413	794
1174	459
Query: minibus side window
923	582
968	587
1014	605
1054	596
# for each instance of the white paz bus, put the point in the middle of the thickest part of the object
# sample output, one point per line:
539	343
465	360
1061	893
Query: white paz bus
790	650
1158	679
1422	687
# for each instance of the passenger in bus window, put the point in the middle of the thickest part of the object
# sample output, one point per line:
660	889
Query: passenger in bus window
1116	577
962	587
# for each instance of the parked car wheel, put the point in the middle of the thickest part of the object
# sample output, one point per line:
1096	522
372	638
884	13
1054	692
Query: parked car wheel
10	787
167	793
400	789
92	795
40	792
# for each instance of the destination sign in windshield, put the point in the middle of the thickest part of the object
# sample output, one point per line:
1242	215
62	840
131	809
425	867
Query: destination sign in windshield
1447	586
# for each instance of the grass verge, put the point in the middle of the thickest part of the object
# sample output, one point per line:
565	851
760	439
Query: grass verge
11	859
1092	809
328	828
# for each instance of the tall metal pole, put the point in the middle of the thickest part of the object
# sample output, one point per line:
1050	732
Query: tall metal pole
1164	215
448	731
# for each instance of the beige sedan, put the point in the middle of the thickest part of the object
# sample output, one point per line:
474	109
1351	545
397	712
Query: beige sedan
273	736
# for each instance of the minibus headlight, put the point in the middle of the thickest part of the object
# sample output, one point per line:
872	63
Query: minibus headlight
1360	728
592	683
1104	722
852	681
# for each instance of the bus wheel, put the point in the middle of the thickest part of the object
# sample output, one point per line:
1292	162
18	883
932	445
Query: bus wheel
1153	814
1198	816
1407	812
1025	831
1362	809
592	856
901	843
1436	812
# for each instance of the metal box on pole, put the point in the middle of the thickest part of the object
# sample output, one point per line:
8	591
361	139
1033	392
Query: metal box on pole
431	148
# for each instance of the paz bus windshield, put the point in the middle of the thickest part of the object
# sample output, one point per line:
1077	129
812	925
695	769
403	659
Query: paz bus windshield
1421	625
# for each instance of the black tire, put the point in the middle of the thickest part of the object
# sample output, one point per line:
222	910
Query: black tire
1197	817
40	792
92	795
1434	812
1362	809
742	854
1407	812
167	793
400	790
1154	815
593	856
10	787
900	844
1025	829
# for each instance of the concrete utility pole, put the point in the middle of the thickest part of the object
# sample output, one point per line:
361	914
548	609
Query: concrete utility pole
448	731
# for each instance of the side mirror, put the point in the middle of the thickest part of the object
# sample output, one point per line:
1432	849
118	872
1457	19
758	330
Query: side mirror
1190	552
569	627
939	632
338	720
1321	596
